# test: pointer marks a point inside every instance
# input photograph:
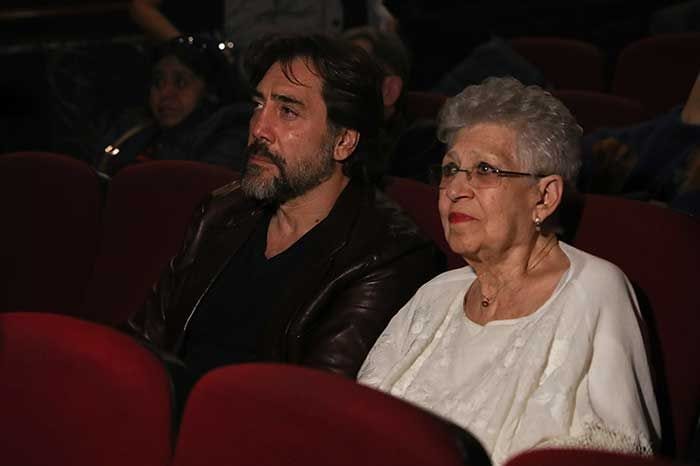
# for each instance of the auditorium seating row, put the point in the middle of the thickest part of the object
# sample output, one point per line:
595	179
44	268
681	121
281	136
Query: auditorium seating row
593	110
650	76
65	249
657	71
75	393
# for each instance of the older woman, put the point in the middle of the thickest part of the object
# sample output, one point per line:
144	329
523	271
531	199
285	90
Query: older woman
535	343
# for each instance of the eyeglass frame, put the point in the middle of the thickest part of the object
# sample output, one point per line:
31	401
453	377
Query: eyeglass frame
498	172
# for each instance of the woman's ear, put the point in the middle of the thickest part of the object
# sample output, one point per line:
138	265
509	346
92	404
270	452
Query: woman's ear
551	191
345	143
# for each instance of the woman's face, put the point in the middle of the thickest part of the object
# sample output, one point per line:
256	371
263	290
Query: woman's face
175	92
484	222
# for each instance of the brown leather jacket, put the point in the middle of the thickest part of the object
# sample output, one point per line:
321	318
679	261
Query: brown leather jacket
353	284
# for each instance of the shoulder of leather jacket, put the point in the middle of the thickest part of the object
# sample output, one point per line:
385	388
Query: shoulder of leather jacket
226	189
227	205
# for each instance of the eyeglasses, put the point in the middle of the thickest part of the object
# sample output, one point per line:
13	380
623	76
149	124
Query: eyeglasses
481	175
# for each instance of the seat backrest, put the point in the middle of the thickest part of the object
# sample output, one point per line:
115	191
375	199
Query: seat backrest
658	250
420	201
570	457
74	393
595	110
146	215
48	241
658	71
272	414
565	63
423	105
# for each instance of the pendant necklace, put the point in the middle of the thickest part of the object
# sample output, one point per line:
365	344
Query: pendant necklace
487	300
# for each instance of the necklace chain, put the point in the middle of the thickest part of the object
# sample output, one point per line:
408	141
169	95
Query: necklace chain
487	300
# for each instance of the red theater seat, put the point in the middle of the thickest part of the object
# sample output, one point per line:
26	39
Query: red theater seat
658	250
565	63
658	71
561	457
423	105
596	110
74	393
50	206
147	211
271	414
420	201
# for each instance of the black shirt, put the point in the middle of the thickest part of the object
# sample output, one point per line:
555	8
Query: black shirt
232	315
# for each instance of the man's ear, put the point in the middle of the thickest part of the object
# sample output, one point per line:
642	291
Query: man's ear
551	191
392	86
345	143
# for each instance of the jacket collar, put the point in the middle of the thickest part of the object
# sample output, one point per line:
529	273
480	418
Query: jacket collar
224	240
298	289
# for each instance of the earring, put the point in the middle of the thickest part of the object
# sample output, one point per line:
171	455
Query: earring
538	224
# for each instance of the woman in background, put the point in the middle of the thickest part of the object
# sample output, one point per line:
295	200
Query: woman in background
190	114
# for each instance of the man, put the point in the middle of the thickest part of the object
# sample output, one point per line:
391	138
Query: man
411	144
393	58
302	261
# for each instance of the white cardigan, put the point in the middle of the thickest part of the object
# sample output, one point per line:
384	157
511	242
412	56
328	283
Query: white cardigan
573	373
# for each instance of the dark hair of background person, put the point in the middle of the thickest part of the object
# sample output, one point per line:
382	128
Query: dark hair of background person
387	47
351	89
202	55
389	51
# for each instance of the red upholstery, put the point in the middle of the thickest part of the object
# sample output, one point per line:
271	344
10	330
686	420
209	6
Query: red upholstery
595	110
423	105
658	250
565	63
658	71
270	415
50	207
148	209
420	201
75	393
552	457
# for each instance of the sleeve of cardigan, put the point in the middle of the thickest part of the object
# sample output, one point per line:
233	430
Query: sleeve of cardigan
615	406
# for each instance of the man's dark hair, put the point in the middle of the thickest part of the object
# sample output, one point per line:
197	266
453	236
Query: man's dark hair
351	89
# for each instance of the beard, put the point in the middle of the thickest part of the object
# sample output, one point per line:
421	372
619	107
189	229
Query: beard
292	180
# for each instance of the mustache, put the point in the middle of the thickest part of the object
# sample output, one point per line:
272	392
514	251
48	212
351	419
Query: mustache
260	149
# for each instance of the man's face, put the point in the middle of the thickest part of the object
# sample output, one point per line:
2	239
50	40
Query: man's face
290	147
175	92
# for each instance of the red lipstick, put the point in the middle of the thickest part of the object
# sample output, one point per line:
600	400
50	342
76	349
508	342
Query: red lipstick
457	217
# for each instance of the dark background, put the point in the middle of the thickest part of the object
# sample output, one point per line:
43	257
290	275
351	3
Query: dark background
69	66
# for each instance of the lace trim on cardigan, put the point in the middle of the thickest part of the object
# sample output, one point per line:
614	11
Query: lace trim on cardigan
597	436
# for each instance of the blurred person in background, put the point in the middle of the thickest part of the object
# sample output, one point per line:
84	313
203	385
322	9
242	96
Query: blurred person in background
189	114
657	160
243	21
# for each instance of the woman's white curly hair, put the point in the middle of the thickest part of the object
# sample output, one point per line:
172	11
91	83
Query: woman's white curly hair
548	136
